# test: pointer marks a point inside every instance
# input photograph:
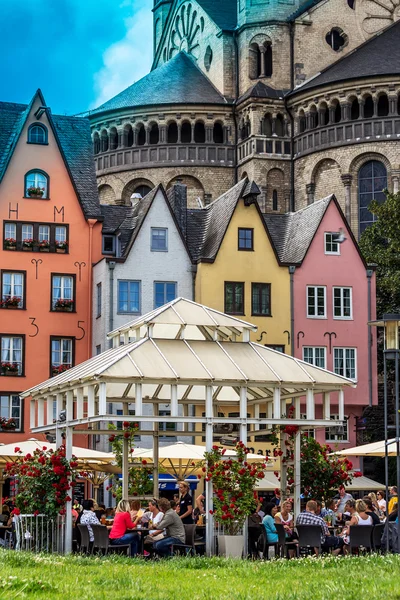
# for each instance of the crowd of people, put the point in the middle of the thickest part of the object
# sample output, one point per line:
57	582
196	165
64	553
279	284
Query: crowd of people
161	521
335	517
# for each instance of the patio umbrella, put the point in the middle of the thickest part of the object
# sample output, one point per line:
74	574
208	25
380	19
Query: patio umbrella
88	460
183	459
374	449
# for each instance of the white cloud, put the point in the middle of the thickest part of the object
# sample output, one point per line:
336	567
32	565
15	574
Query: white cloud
129	59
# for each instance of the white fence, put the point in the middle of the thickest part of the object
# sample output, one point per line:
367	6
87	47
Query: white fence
39	533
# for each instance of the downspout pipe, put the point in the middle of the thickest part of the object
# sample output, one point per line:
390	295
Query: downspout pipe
111	267
235	43
370	340
292	270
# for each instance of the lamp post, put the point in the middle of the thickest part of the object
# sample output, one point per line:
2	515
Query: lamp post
391	324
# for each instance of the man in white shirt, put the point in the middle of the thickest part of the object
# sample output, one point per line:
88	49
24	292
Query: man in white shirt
343	498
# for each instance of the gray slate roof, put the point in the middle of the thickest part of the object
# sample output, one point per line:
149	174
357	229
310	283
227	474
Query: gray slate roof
380	55
222	12
207	226
75	143
292	233
260	90
179	81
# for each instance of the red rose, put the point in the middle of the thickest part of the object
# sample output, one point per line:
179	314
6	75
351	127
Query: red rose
16	511
126	435
111	438
125	424
144	462
35	514
17	449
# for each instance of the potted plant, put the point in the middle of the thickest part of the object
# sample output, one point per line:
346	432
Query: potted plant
9	369
57	369
7	424
63	305
44	246
234	482
61	247
10	244
35	192
11	302
27	244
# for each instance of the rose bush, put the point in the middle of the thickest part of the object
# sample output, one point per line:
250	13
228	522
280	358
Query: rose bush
234	481
45	480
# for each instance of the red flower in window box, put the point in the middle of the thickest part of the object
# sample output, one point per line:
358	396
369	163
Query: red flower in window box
11	302
61	246
56	370
64	304
44	246
33	191
28	243
8	368
10	244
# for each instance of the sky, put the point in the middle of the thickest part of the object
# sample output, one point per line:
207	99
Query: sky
79	53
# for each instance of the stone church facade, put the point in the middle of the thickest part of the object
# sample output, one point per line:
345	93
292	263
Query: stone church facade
302	96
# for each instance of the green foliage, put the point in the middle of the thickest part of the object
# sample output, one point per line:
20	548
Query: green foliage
139	483
234	482
380	244
45	479
27	575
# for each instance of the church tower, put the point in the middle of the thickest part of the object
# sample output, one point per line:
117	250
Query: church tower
161	11
254	11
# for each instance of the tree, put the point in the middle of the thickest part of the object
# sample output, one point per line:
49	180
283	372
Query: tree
380	244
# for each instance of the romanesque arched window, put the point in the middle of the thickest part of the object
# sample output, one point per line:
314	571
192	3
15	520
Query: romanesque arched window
128	136
113	137
104	140
383	105
218	133
199	132
372	180
154	135
141	136
96	143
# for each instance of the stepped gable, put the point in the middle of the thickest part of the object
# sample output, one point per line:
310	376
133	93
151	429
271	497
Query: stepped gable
179	81
378	56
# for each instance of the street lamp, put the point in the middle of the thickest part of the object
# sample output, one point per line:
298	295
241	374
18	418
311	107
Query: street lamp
391	324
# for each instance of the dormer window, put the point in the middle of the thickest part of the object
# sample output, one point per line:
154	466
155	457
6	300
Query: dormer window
332	245
108	244
36	185
37	134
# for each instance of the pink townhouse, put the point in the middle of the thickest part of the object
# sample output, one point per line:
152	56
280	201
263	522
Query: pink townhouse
333	292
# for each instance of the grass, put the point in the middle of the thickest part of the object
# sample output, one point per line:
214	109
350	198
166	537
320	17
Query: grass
44	577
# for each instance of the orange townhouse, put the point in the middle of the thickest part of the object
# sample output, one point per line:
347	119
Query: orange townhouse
50	236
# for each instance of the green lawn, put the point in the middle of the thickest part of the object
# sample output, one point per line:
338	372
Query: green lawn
46	577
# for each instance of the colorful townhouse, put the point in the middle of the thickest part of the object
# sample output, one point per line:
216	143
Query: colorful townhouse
333	300
146	264
50	235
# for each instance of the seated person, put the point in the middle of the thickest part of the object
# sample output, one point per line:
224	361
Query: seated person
136	511
309	517
122	522
175	530
370	510
88	517
393	515
268	521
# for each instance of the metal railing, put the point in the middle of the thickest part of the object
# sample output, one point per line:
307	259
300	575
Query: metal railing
40	533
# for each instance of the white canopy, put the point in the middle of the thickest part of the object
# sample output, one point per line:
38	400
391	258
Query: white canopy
374	449
84	456
364	484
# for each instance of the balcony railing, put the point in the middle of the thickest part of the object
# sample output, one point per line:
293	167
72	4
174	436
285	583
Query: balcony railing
278	147
347	132
148	156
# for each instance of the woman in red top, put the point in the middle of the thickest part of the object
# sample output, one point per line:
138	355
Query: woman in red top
122	522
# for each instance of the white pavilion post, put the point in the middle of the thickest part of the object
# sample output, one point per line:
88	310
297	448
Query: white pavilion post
327	406
341	405
40	412
79	403
243	438
209	486
32	414
156	427
49	409
68	506
59	407
297	474
310	406
125	459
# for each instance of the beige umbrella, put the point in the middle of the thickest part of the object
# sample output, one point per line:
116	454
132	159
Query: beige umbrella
374	449
88	460
184	459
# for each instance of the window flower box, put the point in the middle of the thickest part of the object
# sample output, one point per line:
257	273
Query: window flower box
61	247
35	192
63	305
11	302
44	246
57	369
7	424
28	244
9	369
10	244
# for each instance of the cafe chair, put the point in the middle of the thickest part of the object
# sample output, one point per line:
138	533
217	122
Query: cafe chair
283	545
361	537
85	540
377	534
309	537
264	545
191	544
102	542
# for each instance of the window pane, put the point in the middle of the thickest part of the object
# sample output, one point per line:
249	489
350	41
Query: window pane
36	180
311	301
159	295
158	239
261	303
372	179
61	234
134	296
44	233
37	135
10	231
321	301
171	292
245	239
27	232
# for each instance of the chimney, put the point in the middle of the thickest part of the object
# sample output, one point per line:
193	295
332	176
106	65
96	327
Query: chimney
177	196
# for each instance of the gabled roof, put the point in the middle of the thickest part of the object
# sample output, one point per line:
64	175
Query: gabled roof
292	233
222	12
378	56
74	141
128	220
179	81
207	226
261	90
